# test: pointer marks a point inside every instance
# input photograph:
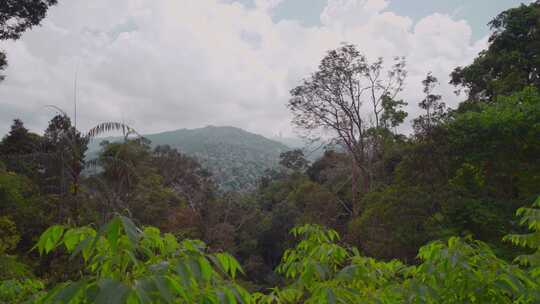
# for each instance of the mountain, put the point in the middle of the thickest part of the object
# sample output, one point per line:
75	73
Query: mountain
236	158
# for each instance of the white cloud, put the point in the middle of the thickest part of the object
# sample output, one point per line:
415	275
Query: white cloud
167	64
267	5
351	12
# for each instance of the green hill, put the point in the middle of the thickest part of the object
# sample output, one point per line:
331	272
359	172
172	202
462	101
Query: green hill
236	158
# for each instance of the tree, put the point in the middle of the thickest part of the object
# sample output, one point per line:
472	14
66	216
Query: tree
328	166
19	200
159	187
17	16
380	231
334	97
17	148
66	146
293	160
184	174
392	115
126	175
512	60
433	107
19	140
500	142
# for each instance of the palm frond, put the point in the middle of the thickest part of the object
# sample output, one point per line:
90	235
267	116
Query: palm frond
111	126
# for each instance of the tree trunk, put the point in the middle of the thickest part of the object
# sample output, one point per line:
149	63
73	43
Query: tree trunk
354	180
354	188
356	194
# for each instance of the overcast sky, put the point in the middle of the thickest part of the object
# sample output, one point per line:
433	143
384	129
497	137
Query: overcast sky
167	64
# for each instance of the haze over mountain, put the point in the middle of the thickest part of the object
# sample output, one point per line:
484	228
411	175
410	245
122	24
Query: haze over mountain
236	158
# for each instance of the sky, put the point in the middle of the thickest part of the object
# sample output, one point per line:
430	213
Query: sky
161	65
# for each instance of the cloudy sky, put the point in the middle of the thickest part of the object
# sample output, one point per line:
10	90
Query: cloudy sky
167	64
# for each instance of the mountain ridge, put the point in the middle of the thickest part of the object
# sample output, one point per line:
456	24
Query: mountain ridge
237	158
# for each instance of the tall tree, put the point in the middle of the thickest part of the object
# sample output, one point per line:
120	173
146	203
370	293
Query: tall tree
66	147
19	140
16	16
185	175
335	98
18	147
512	60
432	105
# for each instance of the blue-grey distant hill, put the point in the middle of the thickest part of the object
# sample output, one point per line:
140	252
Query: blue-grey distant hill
236	158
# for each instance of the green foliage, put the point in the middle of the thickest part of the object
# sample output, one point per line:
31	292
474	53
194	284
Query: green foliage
315	257
12	188
20	291
12	268
293	160
322	271
23	206
16	147
511	62
316	204
9	236
433	107
466	271
499	144
127	265
392	114
17	283
463	173
395	223
457	271
530	218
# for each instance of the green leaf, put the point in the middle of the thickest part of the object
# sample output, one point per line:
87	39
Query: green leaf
112	232
206	269
69	292
183	272
330	296
112	292
194	268
133	233
141	291
163	288
85	247
71	239
50	239
229	296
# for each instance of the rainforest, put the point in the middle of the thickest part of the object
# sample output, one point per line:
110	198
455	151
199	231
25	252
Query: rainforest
375	204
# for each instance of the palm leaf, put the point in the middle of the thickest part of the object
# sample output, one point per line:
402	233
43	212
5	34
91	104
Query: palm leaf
109	127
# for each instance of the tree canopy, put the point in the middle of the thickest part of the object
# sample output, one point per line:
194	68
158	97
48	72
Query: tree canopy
511	61
448	213
17	16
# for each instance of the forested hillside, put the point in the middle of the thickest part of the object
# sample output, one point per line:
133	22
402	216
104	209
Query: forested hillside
449	213
237	159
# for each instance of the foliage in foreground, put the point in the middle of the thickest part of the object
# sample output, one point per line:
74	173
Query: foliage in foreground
125	264
457	271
